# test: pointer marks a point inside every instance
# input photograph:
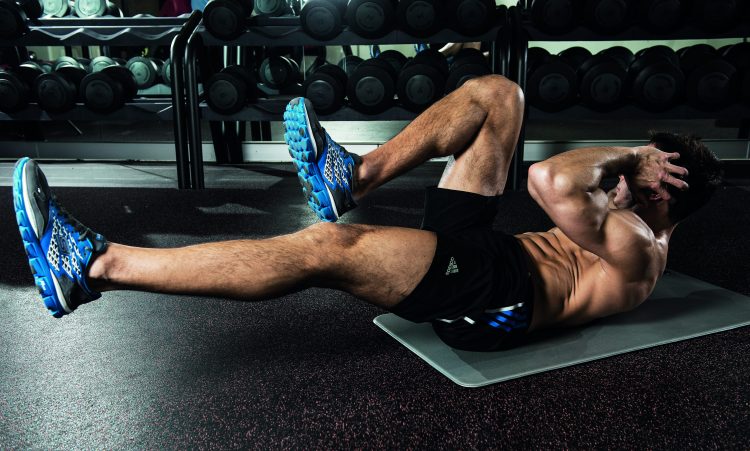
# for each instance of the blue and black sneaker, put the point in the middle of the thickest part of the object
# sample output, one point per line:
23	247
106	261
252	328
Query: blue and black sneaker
59	247
325	169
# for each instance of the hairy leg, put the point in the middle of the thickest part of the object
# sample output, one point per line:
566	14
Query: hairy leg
380	265
478	124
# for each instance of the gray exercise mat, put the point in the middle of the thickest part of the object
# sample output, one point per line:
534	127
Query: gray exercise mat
680	308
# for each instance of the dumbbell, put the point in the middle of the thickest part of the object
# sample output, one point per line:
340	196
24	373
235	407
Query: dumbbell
551	84
146	71
575	56
166	71
622	54
371	86
607	16
371	18
555	16
421	81
655	79
225	19
57	8
349	63
326	88
420	18
660	16
711	82
16	86
739	56
228	91
57	91
467	64
14	15
95	8
279	72
323	19
602	80
396	59
471	17
108	89
714	15
273	8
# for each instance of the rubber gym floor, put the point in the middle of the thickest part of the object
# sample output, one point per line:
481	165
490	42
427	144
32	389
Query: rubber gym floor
311	370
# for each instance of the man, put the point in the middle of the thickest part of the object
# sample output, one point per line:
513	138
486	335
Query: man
481	289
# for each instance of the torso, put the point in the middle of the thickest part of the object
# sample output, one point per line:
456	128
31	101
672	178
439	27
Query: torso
570	282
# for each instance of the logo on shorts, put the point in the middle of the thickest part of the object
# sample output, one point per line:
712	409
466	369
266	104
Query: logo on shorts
452	267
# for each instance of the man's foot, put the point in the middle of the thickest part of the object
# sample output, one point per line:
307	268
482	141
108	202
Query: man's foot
325	169
59	247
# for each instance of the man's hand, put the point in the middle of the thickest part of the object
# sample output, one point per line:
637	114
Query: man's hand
654	171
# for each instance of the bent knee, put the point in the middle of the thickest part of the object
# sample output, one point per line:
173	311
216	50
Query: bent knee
496	91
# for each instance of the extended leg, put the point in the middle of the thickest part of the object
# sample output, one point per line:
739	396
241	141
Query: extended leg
381	265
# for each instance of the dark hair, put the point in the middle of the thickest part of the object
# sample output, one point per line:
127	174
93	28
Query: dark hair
704	172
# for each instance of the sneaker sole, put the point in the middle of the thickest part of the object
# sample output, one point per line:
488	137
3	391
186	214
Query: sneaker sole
303	150
44	280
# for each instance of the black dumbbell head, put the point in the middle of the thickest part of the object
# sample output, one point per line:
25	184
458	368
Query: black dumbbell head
65	61
349	63
608	16
371	18
471	17
696	56
555	16
372	86
125	78
395	58
93	8
602	82
100	62
535	57
623	55
14	15
660	16
422	80
278	72
715	15
57	8
553	85
144	70
55	93
575	56
225	19
230	90
14	92
271	7
323	19
712	85
655	79
420	18
166	71
102	93
467	64
326	88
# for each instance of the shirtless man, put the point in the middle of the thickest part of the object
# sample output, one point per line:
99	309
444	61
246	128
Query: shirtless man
481	289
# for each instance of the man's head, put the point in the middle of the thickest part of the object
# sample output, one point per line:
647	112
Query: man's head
704	172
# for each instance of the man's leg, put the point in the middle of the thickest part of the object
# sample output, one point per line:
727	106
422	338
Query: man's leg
381	265
478	125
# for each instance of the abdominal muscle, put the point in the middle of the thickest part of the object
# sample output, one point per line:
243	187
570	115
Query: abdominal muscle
564	276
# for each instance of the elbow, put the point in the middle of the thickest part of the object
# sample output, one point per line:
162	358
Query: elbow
545	181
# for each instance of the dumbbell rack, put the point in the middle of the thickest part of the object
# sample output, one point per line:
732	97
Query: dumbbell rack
524	31
113	31
287	31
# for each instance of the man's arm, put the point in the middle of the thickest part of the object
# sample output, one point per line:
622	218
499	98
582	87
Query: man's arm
567	187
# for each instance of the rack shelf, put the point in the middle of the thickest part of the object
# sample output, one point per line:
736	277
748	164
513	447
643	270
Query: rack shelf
273	110
286	31
139	110
581	112
125	31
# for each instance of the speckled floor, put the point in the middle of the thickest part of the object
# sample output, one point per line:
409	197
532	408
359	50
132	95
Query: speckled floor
311	371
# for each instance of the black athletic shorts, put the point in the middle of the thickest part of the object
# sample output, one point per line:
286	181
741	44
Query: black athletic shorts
477	293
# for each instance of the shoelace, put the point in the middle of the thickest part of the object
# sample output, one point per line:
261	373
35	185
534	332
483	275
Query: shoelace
72	222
